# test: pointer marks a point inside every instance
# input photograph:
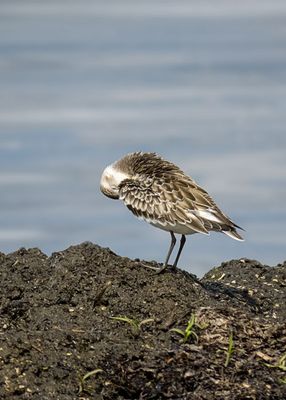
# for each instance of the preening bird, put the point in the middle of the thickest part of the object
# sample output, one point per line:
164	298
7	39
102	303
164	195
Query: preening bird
160	193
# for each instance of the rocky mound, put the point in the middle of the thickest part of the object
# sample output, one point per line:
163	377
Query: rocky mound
88	324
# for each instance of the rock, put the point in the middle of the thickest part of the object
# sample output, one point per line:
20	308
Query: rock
86	323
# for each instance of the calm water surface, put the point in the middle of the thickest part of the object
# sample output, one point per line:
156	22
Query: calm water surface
83	83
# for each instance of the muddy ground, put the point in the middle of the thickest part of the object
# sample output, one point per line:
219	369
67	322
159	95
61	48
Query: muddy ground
59	338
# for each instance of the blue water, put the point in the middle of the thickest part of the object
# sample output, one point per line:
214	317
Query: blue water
83	83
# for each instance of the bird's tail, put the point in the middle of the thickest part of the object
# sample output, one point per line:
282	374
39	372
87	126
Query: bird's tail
234	234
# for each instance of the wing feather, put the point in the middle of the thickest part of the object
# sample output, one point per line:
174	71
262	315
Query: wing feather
175	199
159	203
159	192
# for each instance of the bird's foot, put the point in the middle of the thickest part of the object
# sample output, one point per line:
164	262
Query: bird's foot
164	268
158	270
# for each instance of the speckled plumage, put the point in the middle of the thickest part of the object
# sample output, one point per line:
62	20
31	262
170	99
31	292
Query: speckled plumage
160	193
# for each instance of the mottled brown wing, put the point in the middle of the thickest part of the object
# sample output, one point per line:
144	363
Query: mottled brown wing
161	193
199	203
162	200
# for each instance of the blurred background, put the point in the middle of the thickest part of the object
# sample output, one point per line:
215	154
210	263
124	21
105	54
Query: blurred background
82	83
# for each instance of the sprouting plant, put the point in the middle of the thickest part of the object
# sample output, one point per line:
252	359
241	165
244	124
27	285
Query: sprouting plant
230	349
134	323
189	331
281	364
85	377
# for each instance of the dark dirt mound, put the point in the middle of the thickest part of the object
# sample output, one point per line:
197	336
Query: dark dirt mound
59	340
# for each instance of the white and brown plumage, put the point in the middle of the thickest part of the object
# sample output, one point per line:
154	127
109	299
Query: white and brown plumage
160	193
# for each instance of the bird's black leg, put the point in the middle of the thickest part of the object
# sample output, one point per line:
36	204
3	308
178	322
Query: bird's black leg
182	243
173	242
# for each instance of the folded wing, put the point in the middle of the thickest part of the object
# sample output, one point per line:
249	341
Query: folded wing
175	200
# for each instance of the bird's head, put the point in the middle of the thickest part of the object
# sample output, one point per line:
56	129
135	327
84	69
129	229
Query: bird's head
111	178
